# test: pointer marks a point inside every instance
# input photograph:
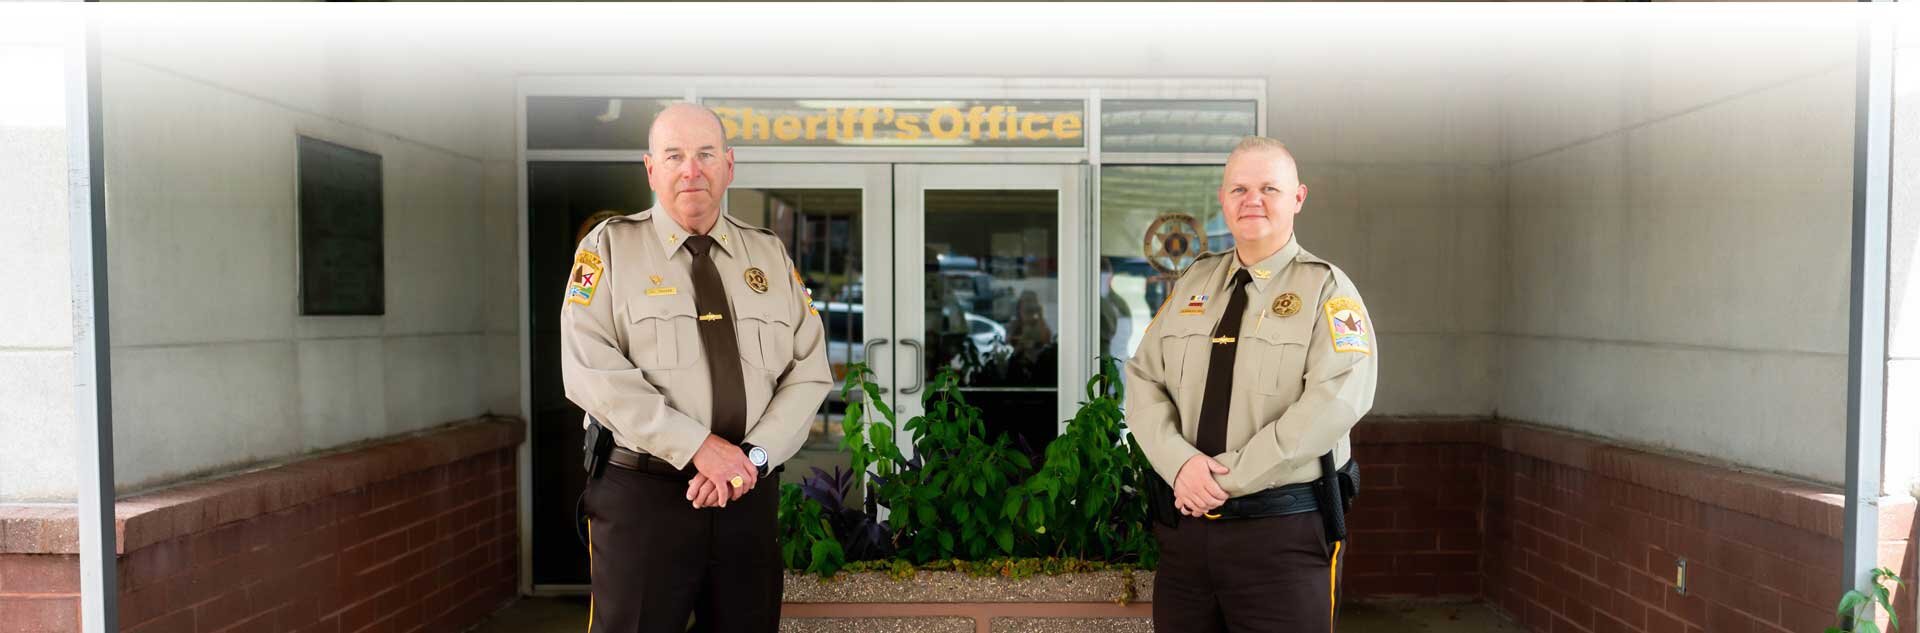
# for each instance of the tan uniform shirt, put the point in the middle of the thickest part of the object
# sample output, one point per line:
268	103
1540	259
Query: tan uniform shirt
630	350
1303	375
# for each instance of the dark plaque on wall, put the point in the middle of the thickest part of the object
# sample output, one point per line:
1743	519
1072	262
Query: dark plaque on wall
342	263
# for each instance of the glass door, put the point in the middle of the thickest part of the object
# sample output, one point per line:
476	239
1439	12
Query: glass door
564	201
990	278
837	223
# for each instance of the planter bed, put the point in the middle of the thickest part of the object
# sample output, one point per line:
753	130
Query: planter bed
1117	601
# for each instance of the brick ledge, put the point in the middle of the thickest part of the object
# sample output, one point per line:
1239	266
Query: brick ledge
1810	506
152	517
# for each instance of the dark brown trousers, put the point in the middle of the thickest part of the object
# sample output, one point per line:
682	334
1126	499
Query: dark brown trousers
1275	574
656	560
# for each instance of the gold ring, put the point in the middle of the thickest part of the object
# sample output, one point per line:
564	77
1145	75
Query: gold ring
1211	515
737	481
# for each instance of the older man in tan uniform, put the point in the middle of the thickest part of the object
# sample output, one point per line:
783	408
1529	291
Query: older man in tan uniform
689	336
1241	394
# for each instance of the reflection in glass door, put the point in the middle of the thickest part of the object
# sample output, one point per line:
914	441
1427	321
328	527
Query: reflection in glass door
835	221
564	201
989	266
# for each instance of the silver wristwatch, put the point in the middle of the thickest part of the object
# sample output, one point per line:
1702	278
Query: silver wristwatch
758	456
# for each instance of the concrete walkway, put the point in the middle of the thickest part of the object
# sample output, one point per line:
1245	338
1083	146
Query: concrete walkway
569	615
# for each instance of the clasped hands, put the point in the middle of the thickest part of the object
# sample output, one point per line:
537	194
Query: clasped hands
718	463
1195	493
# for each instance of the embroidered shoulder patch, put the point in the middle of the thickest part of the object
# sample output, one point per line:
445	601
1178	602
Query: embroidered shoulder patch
807	299
1347	323
584	279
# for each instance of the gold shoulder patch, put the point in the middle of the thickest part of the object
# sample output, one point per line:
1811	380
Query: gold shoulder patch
1347	324
806	294
584	279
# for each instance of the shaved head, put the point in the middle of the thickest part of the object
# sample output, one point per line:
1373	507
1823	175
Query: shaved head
680	113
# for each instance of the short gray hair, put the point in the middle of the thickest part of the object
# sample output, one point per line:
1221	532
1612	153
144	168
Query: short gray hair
1261	144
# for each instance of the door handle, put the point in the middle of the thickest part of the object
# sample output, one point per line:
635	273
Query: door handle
869	354
919	359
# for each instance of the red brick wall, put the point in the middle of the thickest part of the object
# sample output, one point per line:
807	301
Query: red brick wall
39	592
420	534
1415	530
1571	533
1571	550
1563	532
1585	535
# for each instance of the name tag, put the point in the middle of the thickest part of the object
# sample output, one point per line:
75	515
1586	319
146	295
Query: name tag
661	292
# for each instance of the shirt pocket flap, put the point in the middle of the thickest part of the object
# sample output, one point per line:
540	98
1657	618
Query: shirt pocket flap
1279	330
766	332
662	334
1286	341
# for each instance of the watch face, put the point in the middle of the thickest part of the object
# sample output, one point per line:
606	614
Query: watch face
758	456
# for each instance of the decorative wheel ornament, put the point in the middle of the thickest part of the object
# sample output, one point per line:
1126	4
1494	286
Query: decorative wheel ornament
593	221
1173	242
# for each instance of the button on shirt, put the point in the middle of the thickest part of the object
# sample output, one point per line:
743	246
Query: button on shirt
630	347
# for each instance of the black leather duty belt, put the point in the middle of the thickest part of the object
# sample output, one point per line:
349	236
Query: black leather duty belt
630	460
624	458
1289	499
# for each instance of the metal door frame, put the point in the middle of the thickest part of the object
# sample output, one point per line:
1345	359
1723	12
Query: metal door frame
875	181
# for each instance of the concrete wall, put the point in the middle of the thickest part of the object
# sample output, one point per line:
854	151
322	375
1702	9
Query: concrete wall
1679	208
214	367
1406	194
1903	365
36	345
1633	232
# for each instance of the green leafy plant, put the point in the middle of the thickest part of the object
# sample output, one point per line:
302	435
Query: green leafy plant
867	442
861	535
966	501
809	540
1088	499
806	539
1855	601
941	499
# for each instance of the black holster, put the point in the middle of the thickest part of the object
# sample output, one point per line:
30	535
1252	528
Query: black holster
1334	492
595	448
1160	500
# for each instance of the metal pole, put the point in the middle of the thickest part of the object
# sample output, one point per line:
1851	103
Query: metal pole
92	352
1867	339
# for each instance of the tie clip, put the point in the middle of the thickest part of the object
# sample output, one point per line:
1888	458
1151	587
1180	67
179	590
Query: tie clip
1224	340
709	317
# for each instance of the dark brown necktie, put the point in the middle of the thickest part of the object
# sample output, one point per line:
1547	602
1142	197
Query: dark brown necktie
717	338
1219	393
